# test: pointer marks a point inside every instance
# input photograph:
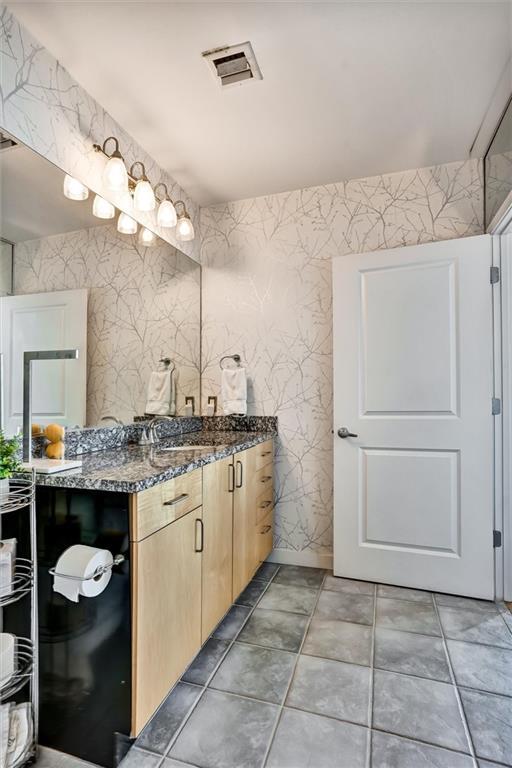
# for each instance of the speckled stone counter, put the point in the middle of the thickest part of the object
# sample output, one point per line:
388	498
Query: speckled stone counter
133	468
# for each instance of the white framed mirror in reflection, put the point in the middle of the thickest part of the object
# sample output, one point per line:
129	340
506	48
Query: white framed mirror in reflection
71	280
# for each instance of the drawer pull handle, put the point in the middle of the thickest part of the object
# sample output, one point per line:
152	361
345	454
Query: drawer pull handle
177	500
201	525
265	504
266	478
231	478
267	453
240	466
266	529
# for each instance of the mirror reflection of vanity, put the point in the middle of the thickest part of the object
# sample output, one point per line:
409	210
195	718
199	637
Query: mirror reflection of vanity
70	279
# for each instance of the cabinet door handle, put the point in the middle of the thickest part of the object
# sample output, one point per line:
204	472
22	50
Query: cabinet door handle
266	478
266	529
240	466
266	453
231	478
265	504
177	500
201	526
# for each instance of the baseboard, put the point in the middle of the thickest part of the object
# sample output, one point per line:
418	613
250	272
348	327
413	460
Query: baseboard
305	557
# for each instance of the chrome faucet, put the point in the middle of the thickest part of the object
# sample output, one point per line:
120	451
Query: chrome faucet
28	358
155	421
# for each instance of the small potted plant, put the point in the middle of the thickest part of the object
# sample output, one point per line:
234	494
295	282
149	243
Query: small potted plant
9	461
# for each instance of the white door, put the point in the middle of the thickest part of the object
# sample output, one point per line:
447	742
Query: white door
33	322
413	501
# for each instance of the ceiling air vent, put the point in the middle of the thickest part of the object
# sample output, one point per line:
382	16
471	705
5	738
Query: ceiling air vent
233	64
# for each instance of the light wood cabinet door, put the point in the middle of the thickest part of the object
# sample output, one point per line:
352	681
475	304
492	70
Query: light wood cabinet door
218	486
166	586
245	554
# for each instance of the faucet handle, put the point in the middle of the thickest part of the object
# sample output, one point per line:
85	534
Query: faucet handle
145	439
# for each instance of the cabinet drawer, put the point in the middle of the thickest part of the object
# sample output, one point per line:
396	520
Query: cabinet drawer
264	454
164	503
265	537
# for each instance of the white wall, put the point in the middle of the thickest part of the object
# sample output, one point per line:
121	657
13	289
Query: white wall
267	295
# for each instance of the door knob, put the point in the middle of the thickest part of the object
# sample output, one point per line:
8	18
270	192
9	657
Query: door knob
344	432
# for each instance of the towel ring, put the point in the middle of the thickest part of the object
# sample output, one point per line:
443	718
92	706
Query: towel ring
236	359
167	361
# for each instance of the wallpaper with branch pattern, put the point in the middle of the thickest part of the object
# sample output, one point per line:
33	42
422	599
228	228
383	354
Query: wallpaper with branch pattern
267	294
144	304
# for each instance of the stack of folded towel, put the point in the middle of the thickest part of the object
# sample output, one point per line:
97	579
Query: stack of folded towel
7	558
161	394
234	391
16	733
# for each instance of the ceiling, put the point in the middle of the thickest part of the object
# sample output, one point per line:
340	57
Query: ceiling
349	89
32	204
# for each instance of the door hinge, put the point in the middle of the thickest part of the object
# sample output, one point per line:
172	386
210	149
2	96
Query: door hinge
496	539
496	406
495	275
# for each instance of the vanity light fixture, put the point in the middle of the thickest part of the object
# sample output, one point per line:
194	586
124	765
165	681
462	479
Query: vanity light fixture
74	189
166	214
147	237
115	175
126	225
143	195
184	226
102	208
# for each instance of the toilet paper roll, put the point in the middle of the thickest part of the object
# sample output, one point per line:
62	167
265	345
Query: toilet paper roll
81	562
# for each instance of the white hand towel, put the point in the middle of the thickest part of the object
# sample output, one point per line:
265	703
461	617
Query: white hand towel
159	393
234	391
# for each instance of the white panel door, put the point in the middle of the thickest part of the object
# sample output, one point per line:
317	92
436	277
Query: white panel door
413	379
34	322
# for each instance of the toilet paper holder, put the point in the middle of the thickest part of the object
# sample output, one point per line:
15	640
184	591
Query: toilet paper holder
118	559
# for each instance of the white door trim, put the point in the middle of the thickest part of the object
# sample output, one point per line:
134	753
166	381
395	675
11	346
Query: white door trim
504	557
498	420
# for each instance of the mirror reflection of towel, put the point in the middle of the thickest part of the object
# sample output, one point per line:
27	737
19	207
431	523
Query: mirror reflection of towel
161	394
234	390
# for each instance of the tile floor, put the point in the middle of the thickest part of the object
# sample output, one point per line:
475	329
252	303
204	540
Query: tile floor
312	671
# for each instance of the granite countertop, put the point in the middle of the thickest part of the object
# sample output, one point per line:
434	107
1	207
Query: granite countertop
134	468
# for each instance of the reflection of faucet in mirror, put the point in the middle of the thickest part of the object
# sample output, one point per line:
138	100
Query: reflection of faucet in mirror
28	358
112	418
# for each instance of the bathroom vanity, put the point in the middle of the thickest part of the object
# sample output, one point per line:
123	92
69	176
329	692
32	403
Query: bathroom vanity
193	524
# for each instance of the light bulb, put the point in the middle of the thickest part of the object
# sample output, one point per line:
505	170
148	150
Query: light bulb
115	175
74	189
126	225
166	216
147	237
144	197
184	228
102	208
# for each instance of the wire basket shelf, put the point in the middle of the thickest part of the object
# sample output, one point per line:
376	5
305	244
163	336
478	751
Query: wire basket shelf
21	583
19	495
23	664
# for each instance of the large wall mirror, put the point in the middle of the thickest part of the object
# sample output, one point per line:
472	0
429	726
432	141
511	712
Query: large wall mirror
70	279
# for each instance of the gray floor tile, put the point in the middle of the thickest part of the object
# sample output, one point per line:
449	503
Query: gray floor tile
282	597
226	731
339	640
490	723
304	740
407	616
331	688
389	751
168	718
487	764
352	586
275	629
51	758
403	593
411	654
266	571
137	758
168	762
261	673
475	626
480	666
251	593
345	607
232	623
300	576
423	709
455	601
206	661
